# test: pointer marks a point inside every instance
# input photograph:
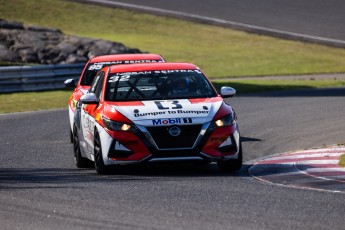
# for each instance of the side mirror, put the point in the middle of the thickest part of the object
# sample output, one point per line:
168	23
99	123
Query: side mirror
226	91
89	98
70	83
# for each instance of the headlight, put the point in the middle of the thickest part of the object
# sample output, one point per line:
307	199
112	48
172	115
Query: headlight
115	126
227	120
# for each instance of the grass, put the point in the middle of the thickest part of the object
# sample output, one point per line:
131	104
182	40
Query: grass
33	101
218	51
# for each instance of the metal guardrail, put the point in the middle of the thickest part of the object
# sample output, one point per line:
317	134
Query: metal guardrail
36	78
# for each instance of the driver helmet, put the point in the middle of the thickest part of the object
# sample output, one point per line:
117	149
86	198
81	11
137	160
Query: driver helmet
182	85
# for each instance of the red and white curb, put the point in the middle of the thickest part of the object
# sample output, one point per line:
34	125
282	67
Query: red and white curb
312	169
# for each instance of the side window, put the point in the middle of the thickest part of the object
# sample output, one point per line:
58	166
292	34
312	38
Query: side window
97	85
94	84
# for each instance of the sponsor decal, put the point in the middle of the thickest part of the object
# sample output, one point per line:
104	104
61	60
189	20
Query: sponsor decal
171	121
100	65
177	108
148	114
135	73
193	111
153	72
178	71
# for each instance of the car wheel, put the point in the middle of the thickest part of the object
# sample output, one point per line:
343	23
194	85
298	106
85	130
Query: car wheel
79	161
232	165
71	137
99	163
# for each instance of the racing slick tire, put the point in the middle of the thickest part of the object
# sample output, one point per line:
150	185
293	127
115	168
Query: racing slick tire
99	163
232	165
71	136
79	161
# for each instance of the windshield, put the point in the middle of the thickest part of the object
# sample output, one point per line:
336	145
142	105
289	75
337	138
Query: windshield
158	85
93	68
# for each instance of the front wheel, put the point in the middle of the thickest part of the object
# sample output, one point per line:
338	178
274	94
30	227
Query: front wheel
99	163
71	138
79	160
232	165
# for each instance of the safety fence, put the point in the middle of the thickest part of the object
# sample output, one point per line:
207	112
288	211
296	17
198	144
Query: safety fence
37	78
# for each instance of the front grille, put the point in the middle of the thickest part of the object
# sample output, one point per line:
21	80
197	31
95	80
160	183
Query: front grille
164	140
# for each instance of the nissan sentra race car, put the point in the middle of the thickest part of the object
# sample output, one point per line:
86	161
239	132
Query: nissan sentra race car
160	112
96	64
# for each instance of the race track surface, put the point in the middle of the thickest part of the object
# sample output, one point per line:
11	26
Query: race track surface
310	17
40	188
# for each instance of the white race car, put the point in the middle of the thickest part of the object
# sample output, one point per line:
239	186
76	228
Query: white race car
155	112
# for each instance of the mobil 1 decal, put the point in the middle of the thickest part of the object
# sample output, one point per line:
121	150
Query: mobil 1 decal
172	121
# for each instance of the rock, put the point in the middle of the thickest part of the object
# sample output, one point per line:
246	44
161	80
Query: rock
11	25
43	29
7	55
41	45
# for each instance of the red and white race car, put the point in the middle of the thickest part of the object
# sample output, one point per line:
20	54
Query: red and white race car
155	113
96	64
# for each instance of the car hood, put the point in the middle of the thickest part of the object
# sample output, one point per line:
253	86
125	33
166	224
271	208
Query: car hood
169	112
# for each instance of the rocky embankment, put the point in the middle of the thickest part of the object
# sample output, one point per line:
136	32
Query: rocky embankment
32	44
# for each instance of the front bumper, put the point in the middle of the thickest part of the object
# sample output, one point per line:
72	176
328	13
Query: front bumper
141	144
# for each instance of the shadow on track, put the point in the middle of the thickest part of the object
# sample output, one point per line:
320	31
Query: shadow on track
249	139
47	178
72	178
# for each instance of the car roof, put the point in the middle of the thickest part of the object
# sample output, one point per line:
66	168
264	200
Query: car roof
125	57
152	66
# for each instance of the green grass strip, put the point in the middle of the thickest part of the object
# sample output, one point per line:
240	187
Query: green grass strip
33	101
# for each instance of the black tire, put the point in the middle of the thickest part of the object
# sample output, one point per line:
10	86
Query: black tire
99	163
232	165
79	161
71	136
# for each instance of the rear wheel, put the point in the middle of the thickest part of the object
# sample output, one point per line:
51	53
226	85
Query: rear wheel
232	165
79	161
99	163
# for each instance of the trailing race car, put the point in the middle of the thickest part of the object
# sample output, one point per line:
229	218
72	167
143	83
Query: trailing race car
155	113
96	64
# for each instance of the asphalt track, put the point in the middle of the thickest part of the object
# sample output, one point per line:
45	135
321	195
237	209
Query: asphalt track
41	189
310	20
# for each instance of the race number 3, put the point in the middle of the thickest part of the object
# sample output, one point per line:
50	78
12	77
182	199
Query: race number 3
168	105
